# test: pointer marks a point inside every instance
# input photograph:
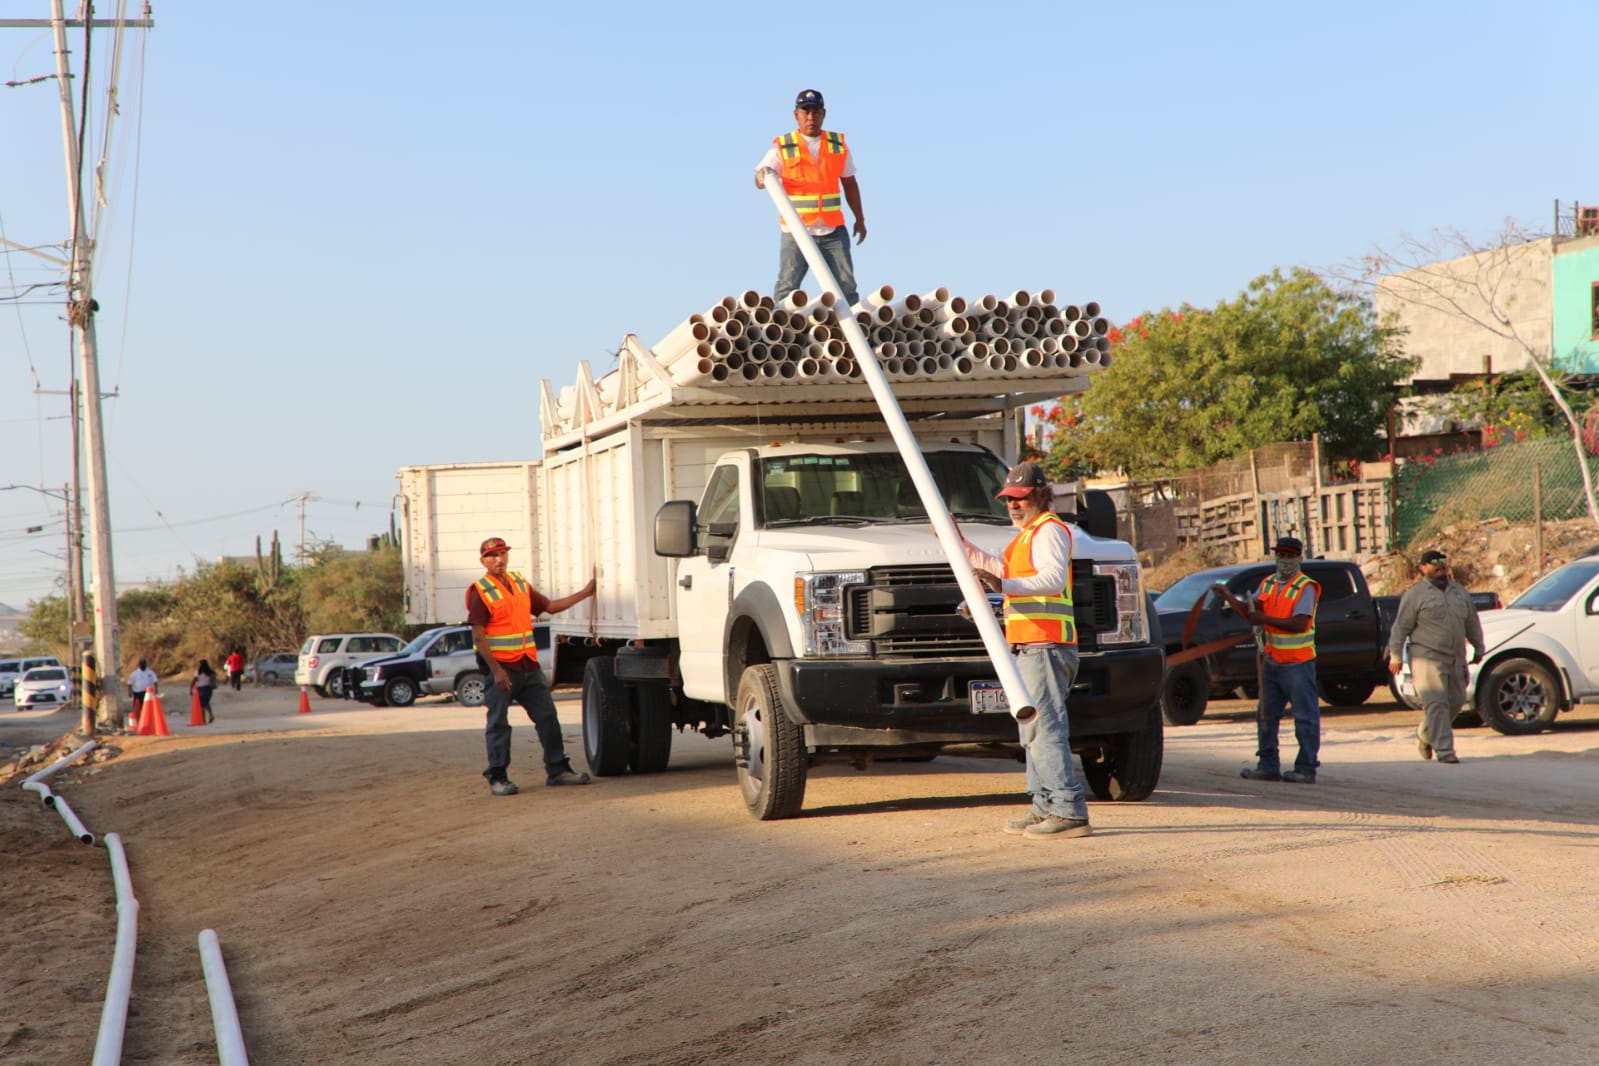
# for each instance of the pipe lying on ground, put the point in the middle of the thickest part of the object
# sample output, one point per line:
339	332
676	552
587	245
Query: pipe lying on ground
224	1012
114	1015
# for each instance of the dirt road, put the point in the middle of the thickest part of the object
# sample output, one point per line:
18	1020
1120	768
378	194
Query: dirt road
377	905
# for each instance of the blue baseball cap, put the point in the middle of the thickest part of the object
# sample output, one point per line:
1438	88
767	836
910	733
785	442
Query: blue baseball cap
809	100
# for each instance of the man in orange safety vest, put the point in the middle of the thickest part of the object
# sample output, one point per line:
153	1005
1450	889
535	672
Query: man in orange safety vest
816	168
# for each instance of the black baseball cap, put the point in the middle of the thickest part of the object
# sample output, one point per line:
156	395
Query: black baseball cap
1023	480
1288	546
1433	555
809	100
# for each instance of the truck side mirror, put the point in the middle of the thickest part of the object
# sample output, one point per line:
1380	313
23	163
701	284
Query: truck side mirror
674	529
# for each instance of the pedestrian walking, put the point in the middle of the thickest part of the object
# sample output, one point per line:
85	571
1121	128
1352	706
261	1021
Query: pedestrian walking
1436	618
141	683
818	173
203	682
235	667
1041	627
501	607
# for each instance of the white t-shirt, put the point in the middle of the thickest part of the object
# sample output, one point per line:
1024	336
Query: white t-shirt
771	161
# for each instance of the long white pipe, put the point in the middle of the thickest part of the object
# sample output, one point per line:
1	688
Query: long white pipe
993	639
65	760
224	1013
35	783
114	1015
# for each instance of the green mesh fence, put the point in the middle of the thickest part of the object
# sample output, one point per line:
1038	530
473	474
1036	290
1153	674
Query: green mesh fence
1493	483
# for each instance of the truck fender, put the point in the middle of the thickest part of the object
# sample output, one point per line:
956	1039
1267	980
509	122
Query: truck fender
756	632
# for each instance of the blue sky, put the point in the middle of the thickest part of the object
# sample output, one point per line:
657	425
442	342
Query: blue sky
345	238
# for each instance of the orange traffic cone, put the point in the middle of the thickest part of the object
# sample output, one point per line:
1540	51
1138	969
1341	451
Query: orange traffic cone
305	702
152	719
196	712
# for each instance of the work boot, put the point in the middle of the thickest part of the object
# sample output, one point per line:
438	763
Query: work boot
1056	826
1255	773
1424	748
503	788
567	777
1450	758
1298	777
1018	826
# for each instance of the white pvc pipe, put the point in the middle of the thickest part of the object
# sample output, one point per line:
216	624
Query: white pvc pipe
114	1015
224	1013
1021	701
64	761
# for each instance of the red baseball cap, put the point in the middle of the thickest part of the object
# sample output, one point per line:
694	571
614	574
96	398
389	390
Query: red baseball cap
493	546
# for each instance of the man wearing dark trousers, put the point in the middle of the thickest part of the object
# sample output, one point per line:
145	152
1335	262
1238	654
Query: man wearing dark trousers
500	607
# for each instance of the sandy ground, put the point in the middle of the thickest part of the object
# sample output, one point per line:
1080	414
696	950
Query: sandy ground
376	905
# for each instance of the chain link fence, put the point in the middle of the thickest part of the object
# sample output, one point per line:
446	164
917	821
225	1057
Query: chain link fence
1500	482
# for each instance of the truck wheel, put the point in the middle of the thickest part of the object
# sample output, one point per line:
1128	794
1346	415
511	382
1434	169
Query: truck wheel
335	685
1345	693
605	714
1127	768
1519	696
768	749
320	690
650	747
471	689
1184	693
399	692
1467	718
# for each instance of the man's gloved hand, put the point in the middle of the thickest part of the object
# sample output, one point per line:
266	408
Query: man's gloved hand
1476	657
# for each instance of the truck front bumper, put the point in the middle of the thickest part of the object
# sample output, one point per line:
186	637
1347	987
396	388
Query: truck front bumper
926	699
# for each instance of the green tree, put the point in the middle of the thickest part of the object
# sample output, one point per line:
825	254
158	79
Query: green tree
46	628
354	591
1290	358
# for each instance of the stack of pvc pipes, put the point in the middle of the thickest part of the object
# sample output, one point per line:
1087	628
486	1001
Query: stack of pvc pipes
929	337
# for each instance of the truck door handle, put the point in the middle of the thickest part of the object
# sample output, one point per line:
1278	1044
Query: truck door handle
686	581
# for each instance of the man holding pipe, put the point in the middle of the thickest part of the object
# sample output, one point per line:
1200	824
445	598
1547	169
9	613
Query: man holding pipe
500	607
815	165
1035	576
1285	611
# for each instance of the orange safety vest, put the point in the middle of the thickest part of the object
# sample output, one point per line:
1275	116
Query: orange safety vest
1038	619
510	628
813	185
1279	598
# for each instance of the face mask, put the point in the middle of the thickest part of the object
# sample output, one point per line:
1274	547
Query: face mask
1287	568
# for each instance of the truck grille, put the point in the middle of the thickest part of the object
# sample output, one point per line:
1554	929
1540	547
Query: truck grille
908	612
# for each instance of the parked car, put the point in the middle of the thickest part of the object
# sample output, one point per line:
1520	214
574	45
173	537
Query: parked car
12	669
42	686
1543	652
438	661
323	656
275	669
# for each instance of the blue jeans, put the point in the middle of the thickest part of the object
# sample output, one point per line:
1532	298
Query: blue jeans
528	689
1048	671
1282	684
791	265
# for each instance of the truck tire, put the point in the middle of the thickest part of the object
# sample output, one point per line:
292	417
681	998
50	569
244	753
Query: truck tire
1519	697
768	749
1127	768
605	715
399	692
1184	693
471	689
649	748
1345	693
334	684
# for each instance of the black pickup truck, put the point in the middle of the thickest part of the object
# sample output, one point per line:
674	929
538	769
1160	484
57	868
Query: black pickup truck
1352	628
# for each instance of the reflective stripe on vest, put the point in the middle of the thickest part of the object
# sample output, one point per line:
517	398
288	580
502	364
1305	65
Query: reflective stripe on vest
1279	598
510	626
1038	619
813	184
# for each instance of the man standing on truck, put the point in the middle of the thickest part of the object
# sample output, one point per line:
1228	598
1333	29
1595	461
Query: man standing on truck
500	607
815	165
1036	577
1437	616
1285	609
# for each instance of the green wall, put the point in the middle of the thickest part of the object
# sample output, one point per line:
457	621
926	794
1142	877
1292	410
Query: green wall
1575	273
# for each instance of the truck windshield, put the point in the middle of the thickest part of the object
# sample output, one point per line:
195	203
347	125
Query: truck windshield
876	487
1553	591
1182	596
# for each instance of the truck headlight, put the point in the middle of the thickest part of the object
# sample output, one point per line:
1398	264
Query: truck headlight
1131	627
819	601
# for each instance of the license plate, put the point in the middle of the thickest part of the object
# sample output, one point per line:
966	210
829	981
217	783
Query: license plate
988	697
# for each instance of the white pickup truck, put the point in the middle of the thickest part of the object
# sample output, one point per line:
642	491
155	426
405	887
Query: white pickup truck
766	569
1543	652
